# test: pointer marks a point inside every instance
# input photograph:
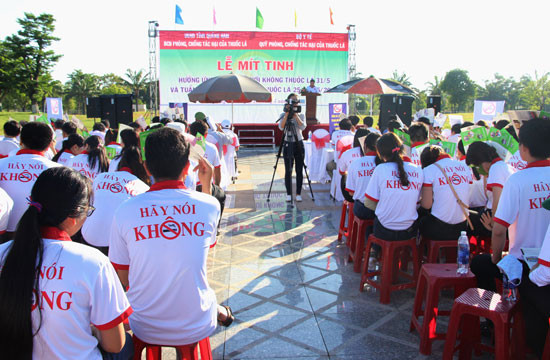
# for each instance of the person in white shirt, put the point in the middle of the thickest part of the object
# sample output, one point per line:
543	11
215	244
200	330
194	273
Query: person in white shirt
394	191
347	157
230	151
60	300
58	126
455	133
345	126
159	245
67	129
128	138
6	206
447	218
485	158
520	212
312	88
12	129
368	121
359	174
419	133
73	146
18	173
110	190
93	160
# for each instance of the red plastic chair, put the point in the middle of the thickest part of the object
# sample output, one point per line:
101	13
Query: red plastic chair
357	241
433	278
343	230
469	307
434	247
392	267
188	352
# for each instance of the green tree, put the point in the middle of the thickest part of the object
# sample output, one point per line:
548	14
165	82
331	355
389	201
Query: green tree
137	82
401	78
30	46
434	87
536	92
460	87
80	86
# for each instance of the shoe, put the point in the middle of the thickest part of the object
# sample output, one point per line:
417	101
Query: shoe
288	198
298	198
229	317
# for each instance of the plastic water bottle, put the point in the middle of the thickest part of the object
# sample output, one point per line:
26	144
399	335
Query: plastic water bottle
463	258
309	135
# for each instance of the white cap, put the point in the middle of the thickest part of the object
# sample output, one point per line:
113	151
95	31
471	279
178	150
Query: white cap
98	133
177	126
226	124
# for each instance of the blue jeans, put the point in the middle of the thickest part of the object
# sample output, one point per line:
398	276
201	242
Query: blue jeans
127	352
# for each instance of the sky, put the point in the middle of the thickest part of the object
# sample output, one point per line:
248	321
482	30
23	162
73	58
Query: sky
423	38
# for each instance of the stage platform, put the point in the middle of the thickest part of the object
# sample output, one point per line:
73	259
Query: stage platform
260	134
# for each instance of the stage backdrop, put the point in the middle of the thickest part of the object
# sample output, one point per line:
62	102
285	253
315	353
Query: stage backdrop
283	62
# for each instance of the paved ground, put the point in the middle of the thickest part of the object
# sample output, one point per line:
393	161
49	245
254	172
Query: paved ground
287	279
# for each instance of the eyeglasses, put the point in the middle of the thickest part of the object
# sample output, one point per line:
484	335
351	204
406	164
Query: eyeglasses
90	210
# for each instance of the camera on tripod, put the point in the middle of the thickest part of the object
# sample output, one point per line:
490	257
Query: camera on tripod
292	107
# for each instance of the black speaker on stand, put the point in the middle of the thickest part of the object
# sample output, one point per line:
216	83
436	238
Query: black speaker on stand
93	107
108	109
388	107
434	101
404	108
124	109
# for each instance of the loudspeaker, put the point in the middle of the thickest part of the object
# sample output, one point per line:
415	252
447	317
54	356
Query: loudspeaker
108	109
93	107
434	101
388	107
404	108
124	111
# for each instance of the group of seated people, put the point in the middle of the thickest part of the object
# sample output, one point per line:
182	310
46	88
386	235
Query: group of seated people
423	191
86	239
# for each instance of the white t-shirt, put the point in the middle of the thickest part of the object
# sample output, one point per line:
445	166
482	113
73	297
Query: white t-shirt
8	145
78	287
476	193
17	176
520	206
6	207
517	162
445	207
110	190
338	134
313	89
65	157
373	130
396	209
113	164
454	138
347	157
541	275
59	144
498	174
359	174
416	150
211	154
80	164
162	238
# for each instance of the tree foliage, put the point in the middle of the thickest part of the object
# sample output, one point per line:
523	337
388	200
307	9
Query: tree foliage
536	93
137	82
460	88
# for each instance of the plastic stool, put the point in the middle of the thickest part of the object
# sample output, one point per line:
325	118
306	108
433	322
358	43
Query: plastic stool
475	303
433	278
435	245
357	241
391	251
188	352
347	207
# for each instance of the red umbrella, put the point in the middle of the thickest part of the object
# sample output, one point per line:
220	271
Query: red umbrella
372	85
230	88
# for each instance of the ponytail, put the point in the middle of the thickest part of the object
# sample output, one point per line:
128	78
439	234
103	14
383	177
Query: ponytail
57	194
96	154
72	140
130	157
391	149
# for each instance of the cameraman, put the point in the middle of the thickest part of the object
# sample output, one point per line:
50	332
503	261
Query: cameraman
293	148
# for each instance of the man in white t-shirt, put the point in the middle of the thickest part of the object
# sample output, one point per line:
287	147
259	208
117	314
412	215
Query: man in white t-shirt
345	126
12	129
419	140
159	245
312	88
67	129
520	211
19	173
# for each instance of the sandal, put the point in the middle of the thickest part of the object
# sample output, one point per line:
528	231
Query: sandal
229	319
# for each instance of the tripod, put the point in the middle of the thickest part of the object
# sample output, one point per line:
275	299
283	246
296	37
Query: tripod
289	128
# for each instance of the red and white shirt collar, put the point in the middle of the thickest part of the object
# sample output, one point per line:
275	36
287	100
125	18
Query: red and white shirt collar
540	163
168	184
29	151
54	233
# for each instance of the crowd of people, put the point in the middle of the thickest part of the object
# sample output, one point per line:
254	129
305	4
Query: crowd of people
85	238
422	191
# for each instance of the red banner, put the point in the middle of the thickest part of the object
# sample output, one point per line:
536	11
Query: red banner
252	40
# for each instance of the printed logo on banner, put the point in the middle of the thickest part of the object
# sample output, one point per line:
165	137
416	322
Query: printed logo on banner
489	108
55	106
335	111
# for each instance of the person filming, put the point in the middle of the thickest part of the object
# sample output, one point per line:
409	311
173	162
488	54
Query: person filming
292	124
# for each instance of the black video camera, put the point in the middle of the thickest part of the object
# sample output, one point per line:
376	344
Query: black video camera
291	106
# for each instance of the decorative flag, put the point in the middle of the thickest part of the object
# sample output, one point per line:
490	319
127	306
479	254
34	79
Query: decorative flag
179	19
214	16
259	19
295	18
55	108
331	20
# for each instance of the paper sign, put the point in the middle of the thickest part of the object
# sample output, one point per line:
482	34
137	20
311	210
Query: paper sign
427	113
79	124
111	152
405	138
448	146
141	121
143	136
456	119
121	127
487	110
440	120
503	142
472	134
85	134
335	113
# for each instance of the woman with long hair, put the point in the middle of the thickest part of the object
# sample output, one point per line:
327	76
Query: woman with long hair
110	190
72	146
93	160
52	289
393	191
128	138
